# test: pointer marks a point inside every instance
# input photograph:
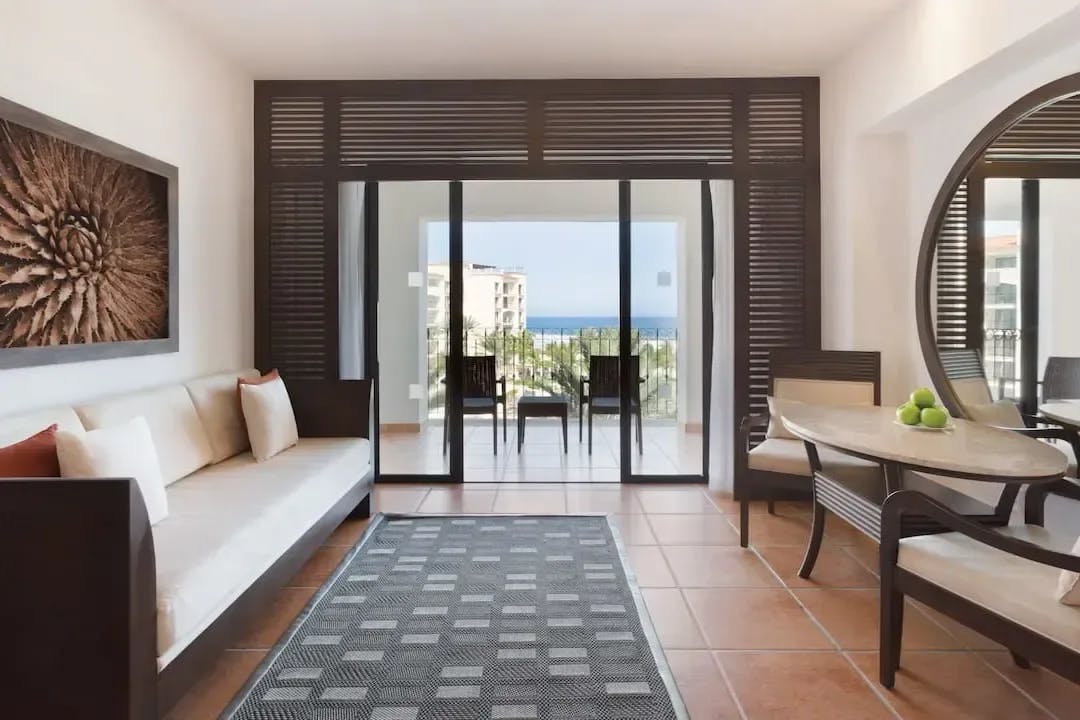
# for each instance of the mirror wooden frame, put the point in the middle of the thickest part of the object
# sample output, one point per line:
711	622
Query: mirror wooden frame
924	277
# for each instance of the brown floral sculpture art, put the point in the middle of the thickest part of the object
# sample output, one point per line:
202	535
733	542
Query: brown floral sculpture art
84	246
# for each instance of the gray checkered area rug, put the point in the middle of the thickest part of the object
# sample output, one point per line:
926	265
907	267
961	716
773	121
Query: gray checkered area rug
471	617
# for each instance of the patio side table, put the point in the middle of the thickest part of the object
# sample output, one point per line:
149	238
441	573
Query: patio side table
541	406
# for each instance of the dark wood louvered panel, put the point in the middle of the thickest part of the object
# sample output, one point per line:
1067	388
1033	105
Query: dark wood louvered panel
381	130
297	280
952	273
627	129
776	128
1051	133
297	129
776	278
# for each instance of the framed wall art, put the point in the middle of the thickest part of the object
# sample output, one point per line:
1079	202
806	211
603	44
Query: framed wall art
88	245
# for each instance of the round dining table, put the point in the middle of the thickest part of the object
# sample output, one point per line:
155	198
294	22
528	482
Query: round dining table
966	449
1063	413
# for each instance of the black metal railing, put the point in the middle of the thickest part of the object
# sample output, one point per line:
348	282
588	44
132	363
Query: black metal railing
1001	361
552	361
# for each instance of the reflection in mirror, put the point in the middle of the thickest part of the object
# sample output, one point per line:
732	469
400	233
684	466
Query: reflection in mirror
1006	271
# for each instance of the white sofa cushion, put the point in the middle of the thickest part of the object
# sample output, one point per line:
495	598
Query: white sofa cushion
268	414
1015	588
19	427
231	521
217	401
117	451
179	438
781	455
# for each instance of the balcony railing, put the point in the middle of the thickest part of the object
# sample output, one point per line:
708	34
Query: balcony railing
1001	361
551	362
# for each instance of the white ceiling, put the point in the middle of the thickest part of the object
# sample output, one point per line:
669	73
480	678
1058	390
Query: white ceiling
380	39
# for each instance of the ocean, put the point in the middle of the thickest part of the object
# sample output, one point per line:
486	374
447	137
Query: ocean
663	326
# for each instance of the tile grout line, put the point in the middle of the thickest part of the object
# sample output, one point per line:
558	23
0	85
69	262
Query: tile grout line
715	655
1009	681
877	693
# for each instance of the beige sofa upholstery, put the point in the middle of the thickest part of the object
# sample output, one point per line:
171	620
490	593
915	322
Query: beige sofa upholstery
781	455
1015	588
230	521
230	518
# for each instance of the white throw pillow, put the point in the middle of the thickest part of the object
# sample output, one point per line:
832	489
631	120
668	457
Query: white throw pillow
125	450
271	424
1069	583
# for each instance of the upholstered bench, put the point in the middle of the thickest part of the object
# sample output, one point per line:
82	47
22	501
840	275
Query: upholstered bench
130	615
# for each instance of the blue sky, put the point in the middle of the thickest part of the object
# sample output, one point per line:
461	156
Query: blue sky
572	266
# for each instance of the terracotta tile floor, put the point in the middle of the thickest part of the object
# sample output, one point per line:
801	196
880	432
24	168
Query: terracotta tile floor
744	636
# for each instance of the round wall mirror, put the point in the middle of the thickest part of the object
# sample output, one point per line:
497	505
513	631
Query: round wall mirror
998	280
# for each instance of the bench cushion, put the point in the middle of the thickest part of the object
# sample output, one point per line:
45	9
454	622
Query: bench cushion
16	428
781	455
819	392
231	521
217	402
179	438
1020	590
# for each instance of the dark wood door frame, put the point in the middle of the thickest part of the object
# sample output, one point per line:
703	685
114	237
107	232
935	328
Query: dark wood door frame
765	139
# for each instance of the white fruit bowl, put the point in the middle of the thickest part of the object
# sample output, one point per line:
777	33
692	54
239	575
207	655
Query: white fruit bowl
948	427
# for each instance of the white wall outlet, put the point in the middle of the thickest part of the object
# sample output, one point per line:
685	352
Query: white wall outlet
416	391
416	279
663	278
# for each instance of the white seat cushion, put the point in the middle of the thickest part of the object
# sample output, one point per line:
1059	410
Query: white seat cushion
217	401
781	455
19	427
179	438
1015	588
818	392
231	521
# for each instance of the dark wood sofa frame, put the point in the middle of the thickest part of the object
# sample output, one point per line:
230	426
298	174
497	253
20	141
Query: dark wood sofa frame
796	363
896	583
80	597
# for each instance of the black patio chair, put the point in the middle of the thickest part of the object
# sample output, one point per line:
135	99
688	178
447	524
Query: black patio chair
602	395
480	396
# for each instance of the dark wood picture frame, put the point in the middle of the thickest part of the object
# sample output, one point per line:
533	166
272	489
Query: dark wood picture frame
14	357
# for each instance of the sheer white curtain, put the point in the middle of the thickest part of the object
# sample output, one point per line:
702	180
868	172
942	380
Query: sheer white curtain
351	280
722	412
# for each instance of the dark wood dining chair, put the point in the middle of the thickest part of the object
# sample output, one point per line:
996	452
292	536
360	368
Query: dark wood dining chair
772	463
1061	379
600	391
481	394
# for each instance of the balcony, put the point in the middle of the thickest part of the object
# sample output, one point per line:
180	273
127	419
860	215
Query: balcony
551	361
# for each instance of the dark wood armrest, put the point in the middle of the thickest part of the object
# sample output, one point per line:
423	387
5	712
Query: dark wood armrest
753	421
331	408
79	599
913	502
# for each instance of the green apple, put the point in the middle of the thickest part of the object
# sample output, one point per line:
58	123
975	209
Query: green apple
934	417
923	398
908	414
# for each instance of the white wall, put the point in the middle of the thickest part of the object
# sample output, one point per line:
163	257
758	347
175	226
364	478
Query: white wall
123	70
896	113
1059	259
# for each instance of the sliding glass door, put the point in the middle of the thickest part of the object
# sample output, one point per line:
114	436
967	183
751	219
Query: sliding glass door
543	331
667	322
540	311
414	310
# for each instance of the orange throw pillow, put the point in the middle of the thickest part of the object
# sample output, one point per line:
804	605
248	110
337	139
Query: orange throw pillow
272	375
34	457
